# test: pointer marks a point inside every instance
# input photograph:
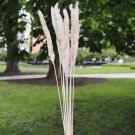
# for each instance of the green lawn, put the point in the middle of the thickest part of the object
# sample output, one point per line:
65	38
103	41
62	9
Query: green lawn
104	70
100	109
26	69
81	70
43	70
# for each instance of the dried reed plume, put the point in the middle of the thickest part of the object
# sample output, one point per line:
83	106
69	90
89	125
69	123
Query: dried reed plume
67	44
48	36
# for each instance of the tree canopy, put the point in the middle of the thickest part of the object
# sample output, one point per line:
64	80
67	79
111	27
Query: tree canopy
109	23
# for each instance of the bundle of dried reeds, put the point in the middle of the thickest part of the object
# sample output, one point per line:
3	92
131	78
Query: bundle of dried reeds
67	43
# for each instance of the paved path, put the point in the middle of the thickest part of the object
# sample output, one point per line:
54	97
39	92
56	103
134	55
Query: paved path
21	77
120	75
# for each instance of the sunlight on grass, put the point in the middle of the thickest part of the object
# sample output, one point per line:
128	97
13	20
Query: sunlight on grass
26	69
87	70
43	70
105	70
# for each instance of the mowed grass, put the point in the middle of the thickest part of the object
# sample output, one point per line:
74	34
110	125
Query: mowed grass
100	109
104	70
26	69
42	70
86	70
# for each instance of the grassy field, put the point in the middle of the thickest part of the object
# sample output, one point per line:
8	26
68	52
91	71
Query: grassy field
100	109
104	70
26	69
108	69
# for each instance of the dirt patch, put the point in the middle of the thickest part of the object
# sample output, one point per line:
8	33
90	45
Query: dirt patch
21	73
45	81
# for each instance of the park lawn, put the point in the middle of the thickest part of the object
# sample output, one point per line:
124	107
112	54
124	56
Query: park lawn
42	70
100	70
26	69
104	70
86	70
100	109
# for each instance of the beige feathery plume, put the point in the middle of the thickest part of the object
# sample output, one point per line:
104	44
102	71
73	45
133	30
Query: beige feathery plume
67	43
75	28
60	34
67	52
50	51
48	36
53	16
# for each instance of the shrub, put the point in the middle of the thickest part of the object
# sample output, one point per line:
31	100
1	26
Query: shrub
79	59
3	56
33	56
89	57
24	64
133	66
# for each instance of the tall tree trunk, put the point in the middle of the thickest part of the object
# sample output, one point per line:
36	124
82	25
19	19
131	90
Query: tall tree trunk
11	37
12	62
12	67
51	72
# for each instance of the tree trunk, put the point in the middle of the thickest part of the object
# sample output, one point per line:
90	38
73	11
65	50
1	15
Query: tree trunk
12	67
12	60
11	38
51	72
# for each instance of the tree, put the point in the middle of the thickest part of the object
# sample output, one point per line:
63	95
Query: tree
45	6
121	29
9	28
108	23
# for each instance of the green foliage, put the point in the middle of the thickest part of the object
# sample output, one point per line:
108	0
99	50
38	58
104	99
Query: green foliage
33	56
3	56
43	53
103	108
109	52
133	66
36	57
108	23
32	7
88	56
80	57
23	55
104	23
17	55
